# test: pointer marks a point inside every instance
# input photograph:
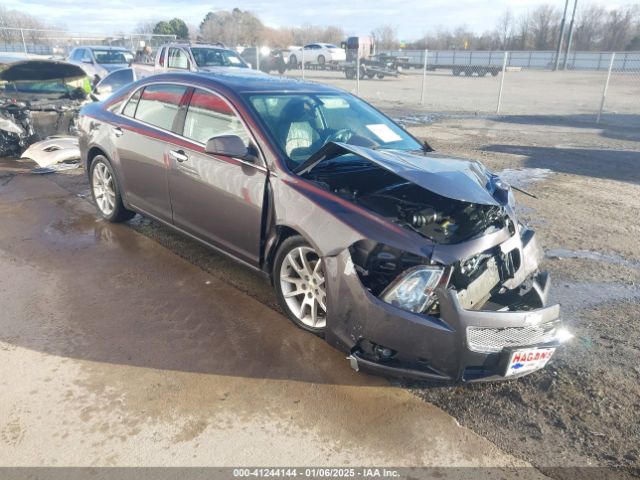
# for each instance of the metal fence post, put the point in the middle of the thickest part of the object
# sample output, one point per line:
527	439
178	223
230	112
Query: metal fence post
606	87
358	73
258	58
504	69
24	44
303	61
424	77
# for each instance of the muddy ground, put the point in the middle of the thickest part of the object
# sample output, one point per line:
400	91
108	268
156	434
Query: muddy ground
583	408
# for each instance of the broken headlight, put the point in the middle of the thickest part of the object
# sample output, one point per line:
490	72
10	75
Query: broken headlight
413	290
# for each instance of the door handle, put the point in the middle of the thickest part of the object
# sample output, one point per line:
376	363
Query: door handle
178	155
117	131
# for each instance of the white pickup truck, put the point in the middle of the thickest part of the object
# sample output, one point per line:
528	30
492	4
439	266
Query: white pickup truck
190	57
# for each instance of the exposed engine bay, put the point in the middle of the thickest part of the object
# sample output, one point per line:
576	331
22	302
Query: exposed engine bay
440	219
38	99
479	279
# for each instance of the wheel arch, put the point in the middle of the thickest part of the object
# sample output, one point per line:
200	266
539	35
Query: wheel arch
281	233
95	151
92	153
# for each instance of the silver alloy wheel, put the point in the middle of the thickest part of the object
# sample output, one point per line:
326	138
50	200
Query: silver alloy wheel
303	287
103	190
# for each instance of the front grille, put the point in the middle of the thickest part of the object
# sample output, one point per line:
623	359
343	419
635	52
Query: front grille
489	340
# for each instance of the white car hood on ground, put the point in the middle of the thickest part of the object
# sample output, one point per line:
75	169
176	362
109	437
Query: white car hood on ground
53	150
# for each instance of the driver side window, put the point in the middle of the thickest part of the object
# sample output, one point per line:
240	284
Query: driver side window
209	115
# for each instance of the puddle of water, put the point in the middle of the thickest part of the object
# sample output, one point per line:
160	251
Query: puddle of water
577	296
610	258
521	177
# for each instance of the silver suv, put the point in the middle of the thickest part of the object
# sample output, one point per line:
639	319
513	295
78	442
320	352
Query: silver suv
100	60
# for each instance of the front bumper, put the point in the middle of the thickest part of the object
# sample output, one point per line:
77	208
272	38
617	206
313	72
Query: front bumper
426	347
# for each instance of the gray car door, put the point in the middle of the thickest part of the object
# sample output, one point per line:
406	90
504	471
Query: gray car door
142	146
216	198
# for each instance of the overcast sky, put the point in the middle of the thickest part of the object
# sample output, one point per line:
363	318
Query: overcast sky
412	17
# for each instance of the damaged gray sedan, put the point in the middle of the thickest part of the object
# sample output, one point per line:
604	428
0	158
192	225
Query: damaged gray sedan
412	263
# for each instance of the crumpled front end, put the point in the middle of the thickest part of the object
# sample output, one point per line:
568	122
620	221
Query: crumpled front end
469	333
431	273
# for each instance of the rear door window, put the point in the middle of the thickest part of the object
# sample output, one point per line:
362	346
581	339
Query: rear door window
158	105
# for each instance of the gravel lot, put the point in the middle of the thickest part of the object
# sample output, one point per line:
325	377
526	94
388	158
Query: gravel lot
530	92
583	408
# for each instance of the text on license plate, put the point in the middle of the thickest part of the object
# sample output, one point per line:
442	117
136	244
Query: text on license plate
528	360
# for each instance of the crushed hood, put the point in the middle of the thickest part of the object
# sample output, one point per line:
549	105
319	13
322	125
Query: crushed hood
40	70
459	179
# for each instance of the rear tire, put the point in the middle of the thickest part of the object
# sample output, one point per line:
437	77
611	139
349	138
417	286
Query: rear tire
106	191
299	280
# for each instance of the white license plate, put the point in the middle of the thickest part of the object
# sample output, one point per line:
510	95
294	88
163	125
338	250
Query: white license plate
527	360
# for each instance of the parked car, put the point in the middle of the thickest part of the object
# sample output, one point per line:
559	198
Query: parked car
269	59
100	60
412	263
112	82
316	53
194	57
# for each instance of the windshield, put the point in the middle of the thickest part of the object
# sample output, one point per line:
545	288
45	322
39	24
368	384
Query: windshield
216	57
37	87
107	56
301	124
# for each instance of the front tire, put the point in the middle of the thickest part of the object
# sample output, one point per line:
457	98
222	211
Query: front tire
106	192
299	278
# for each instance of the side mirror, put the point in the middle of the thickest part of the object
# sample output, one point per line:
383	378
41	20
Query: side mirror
231	146
88	61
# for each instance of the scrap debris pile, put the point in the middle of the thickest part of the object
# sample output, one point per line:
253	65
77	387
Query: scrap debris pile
40	99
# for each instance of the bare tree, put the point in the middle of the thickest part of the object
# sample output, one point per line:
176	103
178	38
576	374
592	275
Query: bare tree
145	27
233	28
386	37
12	19
544	23
504	29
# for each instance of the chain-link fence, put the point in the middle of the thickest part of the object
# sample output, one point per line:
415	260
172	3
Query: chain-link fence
599	86
595	86
58	43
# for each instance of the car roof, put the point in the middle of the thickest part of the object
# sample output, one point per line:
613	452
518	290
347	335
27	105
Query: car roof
243	82
198	45
102	47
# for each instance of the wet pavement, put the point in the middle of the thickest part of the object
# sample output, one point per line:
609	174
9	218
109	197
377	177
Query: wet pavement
116	351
